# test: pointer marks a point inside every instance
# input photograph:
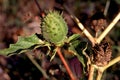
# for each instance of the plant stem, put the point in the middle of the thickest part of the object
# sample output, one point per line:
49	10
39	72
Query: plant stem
80	25
102	69
106	7
37	65
105	32
99	75
40	10
65	64
85	31
112	62
38	5
91	72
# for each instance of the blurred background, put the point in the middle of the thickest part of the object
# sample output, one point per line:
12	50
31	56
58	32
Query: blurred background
22	18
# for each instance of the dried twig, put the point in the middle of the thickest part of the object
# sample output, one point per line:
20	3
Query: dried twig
40	10
37	65
38	5
99	75
85	31
106	7
105	32
80	25
91	72
112	62
102	69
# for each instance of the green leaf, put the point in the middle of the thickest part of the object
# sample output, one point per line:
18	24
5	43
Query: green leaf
73	48
22	44
73	37
79	51
75	43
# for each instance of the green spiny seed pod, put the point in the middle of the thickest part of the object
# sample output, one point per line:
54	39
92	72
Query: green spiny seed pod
54	28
